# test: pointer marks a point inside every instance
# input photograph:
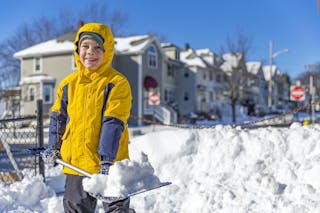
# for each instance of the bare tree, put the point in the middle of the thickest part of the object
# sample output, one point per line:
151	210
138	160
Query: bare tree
43	29
237	50
314	71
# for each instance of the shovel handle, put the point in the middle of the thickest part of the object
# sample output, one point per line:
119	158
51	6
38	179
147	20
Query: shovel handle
63	163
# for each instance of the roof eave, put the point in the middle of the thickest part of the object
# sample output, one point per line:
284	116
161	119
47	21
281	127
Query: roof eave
29	55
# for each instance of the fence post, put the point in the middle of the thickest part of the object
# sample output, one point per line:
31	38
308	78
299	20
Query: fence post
40	134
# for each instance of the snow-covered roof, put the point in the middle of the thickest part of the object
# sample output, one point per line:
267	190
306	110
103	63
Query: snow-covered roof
132	44
168	44
37	79
191	58
46	48
267	74
205	51
207	55
126	45
230	61
253	67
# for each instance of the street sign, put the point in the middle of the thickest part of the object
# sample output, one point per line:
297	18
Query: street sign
297	93
154	98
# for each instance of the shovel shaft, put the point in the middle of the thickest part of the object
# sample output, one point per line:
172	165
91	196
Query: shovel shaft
61	162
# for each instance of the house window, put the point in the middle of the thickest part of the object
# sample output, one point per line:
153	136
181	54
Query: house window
152	57
186	74
37	64
47	94
31	93
218	78
204	75
177	55
170	71
186	96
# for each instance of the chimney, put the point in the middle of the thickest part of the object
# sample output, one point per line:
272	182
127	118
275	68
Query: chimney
186	46
80	24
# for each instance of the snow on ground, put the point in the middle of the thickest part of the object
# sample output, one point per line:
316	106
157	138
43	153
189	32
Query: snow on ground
125	177
220	169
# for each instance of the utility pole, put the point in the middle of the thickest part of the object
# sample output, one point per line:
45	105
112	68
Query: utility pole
312	94
271	76
271	56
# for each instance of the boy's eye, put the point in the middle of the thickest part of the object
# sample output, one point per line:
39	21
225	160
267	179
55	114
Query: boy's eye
85	46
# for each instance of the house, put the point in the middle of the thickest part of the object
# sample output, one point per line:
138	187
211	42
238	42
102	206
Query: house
181	80
234	66
208	77
219	83
258	87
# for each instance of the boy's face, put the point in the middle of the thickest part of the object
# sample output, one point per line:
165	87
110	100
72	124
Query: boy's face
91	54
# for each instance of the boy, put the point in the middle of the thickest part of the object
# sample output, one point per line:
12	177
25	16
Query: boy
88	124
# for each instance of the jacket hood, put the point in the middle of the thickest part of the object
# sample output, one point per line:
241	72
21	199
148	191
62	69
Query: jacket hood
105	32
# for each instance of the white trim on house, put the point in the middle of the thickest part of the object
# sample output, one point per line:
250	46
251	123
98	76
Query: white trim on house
37	79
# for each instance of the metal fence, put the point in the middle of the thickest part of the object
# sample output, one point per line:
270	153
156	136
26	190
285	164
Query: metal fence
18	137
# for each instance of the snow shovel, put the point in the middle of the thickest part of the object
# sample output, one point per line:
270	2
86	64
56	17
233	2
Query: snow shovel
109	199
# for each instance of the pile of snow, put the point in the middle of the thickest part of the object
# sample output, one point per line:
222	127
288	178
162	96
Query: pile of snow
29	195
221	169
125	177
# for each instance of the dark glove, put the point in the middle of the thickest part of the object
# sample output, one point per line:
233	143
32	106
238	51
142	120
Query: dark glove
50	155
104	167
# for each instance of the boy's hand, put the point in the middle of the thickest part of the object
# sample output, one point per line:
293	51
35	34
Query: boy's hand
104	167
50	155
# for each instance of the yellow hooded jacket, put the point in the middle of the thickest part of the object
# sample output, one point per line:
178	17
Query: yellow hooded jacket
89	117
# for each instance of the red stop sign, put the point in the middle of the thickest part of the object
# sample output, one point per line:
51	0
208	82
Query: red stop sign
297	93
154	98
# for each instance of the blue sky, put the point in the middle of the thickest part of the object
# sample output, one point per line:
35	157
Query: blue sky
290	24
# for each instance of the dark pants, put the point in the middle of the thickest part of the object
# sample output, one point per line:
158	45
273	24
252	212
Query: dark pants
76	200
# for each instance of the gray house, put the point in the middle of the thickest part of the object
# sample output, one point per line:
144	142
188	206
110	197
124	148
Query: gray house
142	60
181	80
43	66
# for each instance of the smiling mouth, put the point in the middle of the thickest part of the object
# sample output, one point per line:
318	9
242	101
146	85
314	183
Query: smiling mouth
91	59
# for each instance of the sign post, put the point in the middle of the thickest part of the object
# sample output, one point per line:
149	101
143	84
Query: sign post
297	93
154	99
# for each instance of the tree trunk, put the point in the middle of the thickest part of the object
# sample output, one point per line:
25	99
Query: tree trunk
233	108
